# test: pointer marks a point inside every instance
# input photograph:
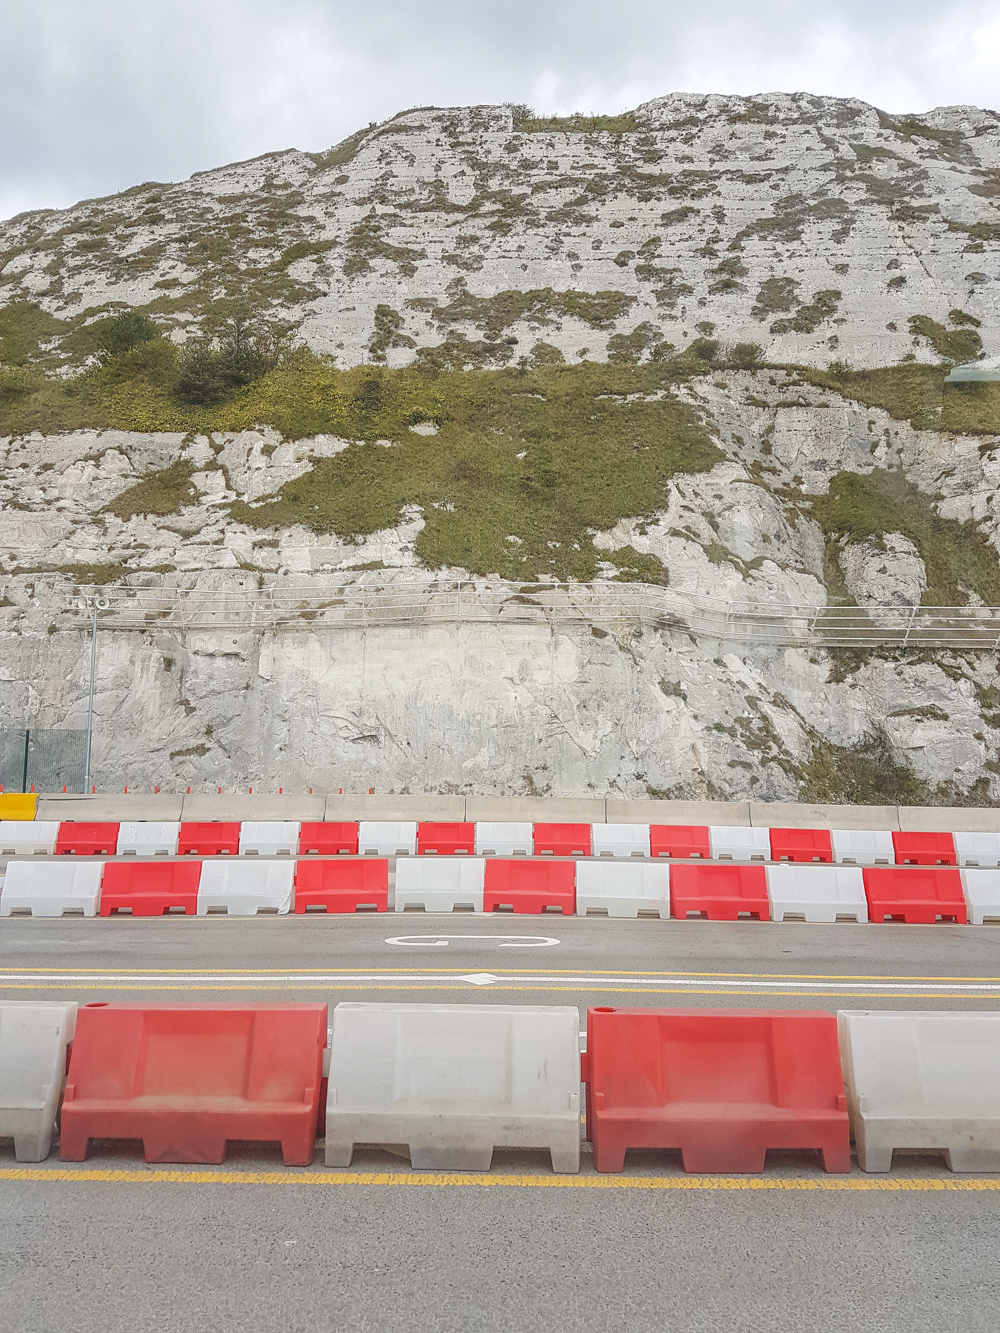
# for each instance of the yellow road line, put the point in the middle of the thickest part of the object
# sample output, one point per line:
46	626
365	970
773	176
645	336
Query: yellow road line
534	990
823	1184
446	972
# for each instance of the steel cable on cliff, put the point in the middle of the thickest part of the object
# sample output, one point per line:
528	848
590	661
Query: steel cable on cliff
353	604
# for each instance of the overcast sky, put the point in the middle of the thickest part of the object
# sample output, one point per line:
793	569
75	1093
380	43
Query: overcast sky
97	95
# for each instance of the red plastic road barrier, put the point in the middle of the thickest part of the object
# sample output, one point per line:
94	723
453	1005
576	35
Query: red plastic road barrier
185	1078
918	897
801	844
924	849
87	839
342	886
683	840
530	886
150	888
562	839
211	839
720	892
328	839
721	1085
446	839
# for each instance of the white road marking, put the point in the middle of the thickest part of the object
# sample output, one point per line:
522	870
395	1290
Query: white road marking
505	941
480	978
266	980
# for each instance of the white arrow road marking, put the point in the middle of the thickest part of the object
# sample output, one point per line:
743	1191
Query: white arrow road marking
504	941
480	978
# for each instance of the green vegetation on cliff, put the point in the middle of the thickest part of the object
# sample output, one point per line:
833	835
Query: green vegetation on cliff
918	394
522	467
957	556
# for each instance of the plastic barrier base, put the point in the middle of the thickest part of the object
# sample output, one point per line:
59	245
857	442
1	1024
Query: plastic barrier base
440	884
801	844
623	890
917	896
718	1143
530	886
28	837
562	839
453	1082
446	839
82	839
242	889
817	893
214	839
719	892
503	839
622	840
924	849
681	840
33	1040
341	886
187	1078
982	893
381	838
720	1086
328	839
150	888
924	1080
52	889
269	838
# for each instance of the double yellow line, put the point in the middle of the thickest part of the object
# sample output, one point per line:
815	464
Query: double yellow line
548	981
488	1180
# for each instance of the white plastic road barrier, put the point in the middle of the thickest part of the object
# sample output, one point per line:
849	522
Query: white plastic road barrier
817	893
504	839
53	888
982	893
740	844
455	1081
923	1080
243	889
275	839
440	883
619	839
387	839
863	847
977	849
622	890
33	1040
148	839
31	837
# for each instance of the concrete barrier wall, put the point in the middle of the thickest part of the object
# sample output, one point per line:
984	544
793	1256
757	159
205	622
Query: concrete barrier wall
166	807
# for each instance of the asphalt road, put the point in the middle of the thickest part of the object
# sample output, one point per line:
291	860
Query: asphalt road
519	960
113	1244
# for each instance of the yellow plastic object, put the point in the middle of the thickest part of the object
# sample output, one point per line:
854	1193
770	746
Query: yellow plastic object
15	805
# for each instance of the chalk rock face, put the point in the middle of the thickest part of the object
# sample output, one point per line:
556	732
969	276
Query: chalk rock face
893	576
607	707
816	227
816	232
569	710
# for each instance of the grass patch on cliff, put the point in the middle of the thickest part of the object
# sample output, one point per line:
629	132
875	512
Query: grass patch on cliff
524	468
957	556
918	394
526	122
161	493
870	773
866	773
495	314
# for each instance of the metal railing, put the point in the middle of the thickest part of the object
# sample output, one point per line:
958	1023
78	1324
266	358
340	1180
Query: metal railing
332	603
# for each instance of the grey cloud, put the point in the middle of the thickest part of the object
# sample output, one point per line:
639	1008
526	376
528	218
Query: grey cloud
97	95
